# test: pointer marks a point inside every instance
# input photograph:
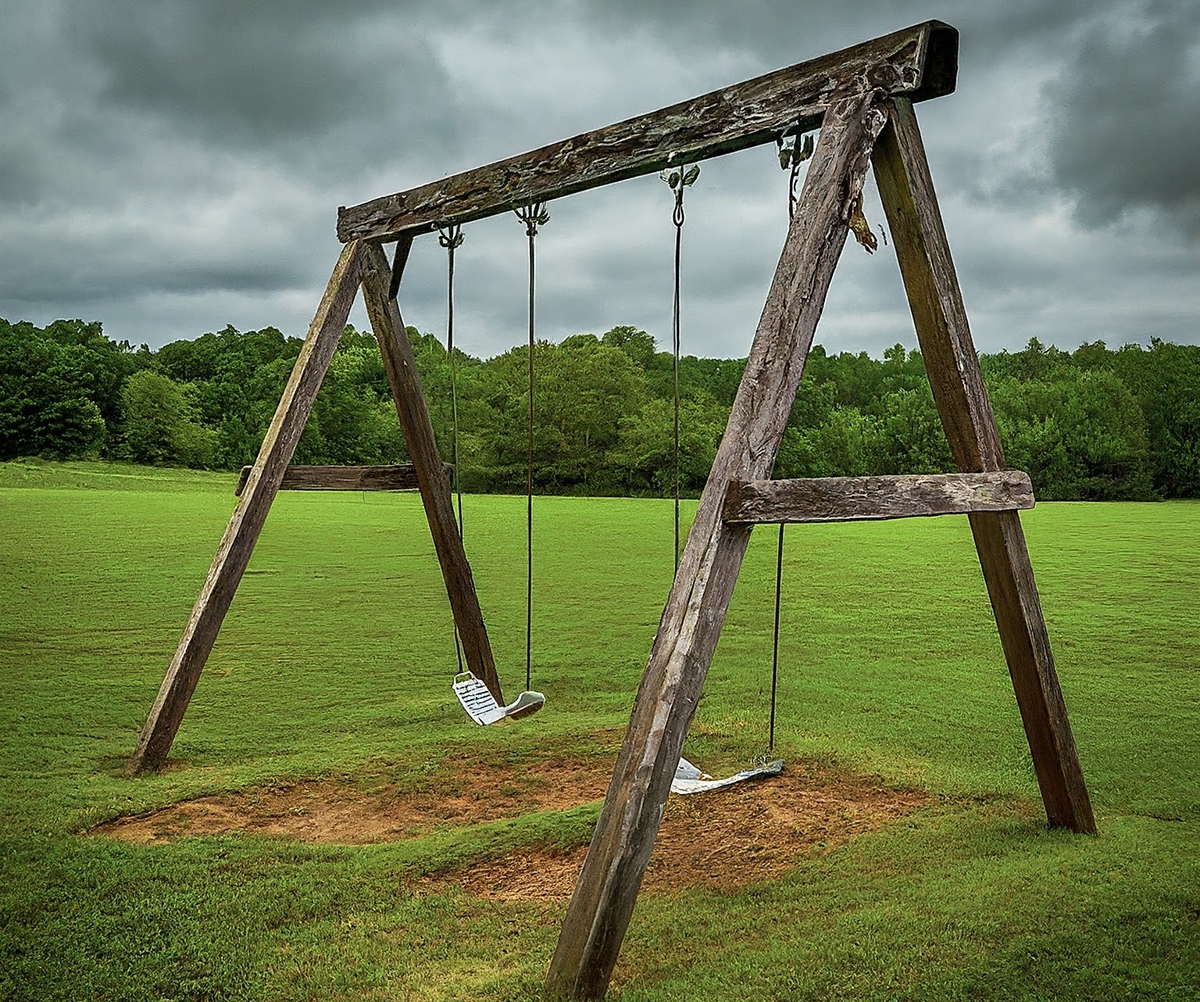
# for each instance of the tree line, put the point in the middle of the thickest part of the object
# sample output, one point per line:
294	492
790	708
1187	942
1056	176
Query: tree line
1092	424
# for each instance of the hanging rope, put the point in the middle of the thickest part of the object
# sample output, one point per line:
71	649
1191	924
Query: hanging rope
775	643
678	179
532	216
451	238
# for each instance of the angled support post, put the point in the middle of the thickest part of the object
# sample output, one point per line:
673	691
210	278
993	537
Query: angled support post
379	282
251	512
607	889
934	296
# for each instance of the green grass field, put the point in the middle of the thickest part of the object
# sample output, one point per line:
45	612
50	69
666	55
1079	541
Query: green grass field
335	662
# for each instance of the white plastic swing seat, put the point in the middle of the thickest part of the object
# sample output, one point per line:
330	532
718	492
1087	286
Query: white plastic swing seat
689	779
481	705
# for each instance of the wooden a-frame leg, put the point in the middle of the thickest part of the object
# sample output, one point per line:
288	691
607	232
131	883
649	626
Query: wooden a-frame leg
251	512
379	283
934	296
606	891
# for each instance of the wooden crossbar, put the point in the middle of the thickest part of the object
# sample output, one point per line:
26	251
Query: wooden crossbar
920	62
851	499
397	477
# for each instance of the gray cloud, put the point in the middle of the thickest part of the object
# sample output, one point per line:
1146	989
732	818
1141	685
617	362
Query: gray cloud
169	168
1126	115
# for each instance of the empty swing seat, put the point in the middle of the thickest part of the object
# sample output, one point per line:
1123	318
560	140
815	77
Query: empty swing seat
481	705
689	779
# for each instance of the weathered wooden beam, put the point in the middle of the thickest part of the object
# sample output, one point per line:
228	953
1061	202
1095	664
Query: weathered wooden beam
935	299
399	477
244	527
921	61
413	410
850	499
606	891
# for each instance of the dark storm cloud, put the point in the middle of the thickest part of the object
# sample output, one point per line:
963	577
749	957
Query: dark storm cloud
174	166
784	31
1126	111
326	88
254	72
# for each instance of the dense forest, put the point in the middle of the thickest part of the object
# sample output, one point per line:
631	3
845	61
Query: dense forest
1092	424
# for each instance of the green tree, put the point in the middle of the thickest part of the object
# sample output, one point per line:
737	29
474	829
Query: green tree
637	344
845	445
357	427
645	454
159	424
910	435
45	397
104	366
1166	382
1080	435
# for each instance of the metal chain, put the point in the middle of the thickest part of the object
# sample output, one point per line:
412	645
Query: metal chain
533	216
792	153
678	179
775	642
451	238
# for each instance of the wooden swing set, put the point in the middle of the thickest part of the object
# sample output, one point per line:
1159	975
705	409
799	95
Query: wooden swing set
861	99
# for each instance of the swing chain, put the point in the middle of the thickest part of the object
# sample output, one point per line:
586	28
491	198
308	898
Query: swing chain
677	180
533	215
450	236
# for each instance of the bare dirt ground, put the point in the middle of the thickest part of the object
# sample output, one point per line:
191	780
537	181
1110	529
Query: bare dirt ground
726	838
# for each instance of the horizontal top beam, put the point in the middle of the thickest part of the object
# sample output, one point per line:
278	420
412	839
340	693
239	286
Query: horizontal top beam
920	62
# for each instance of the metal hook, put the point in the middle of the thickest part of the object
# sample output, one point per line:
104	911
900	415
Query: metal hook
678	179
792	153
450	236
533	215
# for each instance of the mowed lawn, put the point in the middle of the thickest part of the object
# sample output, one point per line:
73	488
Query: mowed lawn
335	663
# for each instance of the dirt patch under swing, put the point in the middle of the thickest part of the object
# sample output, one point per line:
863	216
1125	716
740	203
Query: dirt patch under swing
725	838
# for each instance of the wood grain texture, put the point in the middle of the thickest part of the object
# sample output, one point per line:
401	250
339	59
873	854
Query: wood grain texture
919	237
606	891
432	480
244	527
849	499
921	61
399	477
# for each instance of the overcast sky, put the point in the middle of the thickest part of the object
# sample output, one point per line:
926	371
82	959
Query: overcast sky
175	166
